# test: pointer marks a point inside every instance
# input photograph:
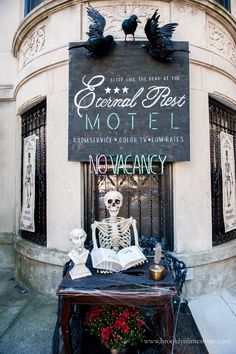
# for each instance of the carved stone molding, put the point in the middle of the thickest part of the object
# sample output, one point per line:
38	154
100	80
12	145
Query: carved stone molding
115	14
47	8
222	42
32	45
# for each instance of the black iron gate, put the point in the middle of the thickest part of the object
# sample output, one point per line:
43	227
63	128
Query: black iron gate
34	122
222	119
147	198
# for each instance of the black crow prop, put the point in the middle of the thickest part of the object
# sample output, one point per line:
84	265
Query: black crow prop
130	25
160	45
96	44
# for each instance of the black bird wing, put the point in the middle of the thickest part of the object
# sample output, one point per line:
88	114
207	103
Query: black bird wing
125	25
98	22
158	36
168	30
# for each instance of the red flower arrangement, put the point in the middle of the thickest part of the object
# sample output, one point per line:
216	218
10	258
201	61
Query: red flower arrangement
116	326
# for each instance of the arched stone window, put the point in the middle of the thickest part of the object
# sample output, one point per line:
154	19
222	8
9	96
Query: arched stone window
33	121
30	5
222	119
225	3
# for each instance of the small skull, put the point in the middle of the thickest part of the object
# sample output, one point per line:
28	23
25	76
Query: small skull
113	201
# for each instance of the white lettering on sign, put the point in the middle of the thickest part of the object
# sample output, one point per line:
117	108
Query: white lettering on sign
141	164
161	95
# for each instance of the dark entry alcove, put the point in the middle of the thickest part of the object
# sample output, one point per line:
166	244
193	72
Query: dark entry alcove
147	198
34	121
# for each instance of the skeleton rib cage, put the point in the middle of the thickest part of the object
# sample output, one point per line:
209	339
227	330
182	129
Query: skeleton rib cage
114	235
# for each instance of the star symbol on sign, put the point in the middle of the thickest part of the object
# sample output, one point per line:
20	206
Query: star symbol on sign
108	90
116	90
125	89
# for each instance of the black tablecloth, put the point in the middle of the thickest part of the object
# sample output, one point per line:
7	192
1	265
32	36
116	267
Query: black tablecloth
119	280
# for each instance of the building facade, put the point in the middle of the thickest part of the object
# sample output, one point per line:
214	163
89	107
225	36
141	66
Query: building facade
183	206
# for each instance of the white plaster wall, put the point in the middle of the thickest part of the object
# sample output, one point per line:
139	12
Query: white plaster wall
233	8
7	167
192	181
9	17
64	197
191	23
211	71
212	82
192	199
63	177
46	75
63	27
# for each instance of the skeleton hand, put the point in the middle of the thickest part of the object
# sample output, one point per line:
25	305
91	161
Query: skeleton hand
103	271
140	263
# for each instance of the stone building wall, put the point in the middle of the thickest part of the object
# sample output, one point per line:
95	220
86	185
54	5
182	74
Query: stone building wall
37	55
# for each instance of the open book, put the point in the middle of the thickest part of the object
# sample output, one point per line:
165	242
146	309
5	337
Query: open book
108	259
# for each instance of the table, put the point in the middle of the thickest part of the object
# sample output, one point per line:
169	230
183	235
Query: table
119	289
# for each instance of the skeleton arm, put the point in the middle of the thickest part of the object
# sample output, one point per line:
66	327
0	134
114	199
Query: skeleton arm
103	230
93	227
134	225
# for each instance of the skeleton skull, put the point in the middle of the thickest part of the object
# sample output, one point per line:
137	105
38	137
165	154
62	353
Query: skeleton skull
114	232
113	201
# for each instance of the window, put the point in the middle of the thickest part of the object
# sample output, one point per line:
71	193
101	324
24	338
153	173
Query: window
222	119
147	198
225	3
30	5
34	122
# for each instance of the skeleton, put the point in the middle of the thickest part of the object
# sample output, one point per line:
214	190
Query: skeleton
28	180
114	232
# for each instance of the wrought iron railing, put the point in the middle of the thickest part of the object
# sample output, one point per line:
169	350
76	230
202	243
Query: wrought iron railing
223	119
34	122
147	198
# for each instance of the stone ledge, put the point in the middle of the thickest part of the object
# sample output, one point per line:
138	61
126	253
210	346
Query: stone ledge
212	270
7	254
6	93
6	238
39	253
41	268
216	254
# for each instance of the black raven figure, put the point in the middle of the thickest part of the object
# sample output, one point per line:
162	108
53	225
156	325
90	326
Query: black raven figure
129	25
160	45
96	44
